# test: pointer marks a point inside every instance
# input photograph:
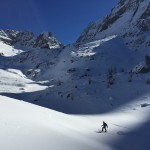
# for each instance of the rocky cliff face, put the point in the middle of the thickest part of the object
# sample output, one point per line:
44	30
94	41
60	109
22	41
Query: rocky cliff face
47	40
8	36
28	39
25	39
129	19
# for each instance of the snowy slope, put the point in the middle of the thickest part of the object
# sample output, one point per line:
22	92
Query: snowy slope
26	126
13	81
7	50
73	78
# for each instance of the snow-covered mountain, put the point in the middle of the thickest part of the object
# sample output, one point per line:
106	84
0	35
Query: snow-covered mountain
129	19
105	72
105	55
79	78
91	66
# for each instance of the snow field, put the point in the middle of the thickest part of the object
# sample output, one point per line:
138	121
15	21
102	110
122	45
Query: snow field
27	126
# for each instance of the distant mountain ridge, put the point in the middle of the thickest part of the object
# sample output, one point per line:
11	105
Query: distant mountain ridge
28	39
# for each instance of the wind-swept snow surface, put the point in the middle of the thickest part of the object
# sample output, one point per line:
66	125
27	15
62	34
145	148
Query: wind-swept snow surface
26	126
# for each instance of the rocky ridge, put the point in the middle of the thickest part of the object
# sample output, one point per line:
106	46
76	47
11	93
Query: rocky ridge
129	19
28	39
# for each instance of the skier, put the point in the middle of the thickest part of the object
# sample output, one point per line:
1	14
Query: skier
104	126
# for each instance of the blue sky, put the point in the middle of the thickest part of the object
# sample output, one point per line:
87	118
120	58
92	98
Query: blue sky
66	19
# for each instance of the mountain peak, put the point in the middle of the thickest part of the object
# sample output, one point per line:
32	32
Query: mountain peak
128	16
47	40
28	39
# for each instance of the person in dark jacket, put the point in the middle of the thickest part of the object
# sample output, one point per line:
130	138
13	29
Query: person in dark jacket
104	126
